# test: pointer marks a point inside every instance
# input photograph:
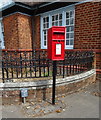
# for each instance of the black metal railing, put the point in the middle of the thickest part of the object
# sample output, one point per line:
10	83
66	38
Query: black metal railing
34	64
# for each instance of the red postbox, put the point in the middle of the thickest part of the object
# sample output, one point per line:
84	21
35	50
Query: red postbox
56	42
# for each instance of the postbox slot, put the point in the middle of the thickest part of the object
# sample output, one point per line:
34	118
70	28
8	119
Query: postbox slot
58	32
58	40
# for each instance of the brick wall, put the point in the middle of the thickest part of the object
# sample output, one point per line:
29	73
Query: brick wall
17	31
88	28
11	32
24	31
42	92
37	39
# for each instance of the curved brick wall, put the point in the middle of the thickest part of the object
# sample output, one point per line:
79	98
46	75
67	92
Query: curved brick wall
40	89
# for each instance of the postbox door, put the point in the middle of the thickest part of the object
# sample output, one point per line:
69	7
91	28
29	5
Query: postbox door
58	50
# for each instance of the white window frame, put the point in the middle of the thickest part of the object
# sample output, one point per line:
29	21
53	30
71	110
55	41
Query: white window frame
58	20
42	43
70	32
49	14
1	35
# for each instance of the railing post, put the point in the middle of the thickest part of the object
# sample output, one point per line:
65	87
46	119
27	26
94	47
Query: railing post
54	81
63	68
39	66
21	65
3	72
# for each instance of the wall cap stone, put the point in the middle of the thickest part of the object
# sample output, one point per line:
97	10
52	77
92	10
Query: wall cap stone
47	83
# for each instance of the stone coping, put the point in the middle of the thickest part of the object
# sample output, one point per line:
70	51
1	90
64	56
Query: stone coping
47	83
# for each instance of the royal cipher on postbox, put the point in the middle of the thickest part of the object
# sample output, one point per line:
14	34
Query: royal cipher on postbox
56	42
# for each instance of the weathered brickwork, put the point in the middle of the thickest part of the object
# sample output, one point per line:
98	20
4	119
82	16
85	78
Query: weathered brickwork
88	26
11	32
17	31
24	32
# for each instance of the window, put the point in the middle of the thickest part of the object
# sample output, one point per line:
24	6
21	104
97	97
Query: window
69	28
1	35
57	20
45	27
60	17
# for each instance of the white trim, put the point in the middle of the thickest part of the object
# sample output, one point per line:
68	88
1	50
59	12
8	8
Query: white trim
1	18
7	6
41	28
50	19
83	2
69	46
15	13
63	22
1	36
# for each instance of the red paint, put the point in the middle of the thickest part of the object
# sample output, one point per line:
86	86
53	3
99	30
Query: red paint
56	42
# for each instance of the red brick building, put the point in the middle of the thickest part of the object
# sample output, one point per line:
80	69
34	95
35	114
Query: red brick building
26	24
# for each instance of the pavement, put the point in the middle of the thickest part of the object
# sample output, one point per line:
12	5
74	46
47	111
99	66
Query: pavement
82	104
